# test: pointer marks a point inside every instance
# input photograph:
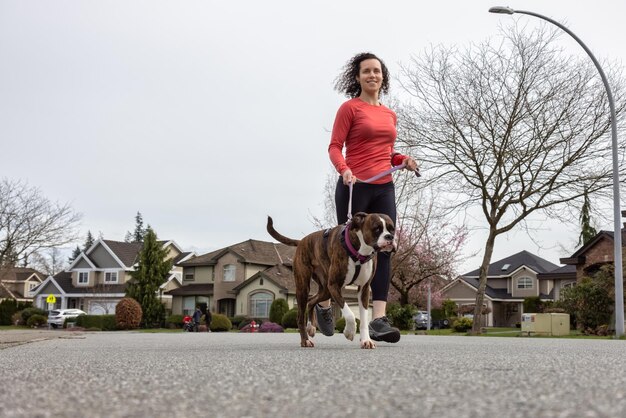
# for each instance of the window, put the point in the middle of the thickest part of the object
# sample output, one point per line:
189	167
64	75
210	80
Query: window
229	273
524	283
189	305
110	277
188	277
83	277
260	304
31	286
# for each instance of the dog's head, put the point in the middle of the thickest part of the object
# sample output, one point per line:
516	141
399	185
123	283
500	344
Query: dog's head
377	230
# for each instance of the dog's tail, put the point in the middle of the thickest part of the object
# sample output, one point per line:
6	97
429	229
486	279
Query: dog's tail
278	237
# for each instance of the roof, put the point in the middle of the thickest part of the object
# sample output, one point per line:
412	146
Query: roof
64	280
250	251
496	293
127	252
19	274
508	265
203	289
564	272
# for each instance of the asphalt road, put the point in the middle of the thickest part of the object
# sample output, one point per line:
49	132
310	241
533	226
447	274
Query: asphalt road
128	374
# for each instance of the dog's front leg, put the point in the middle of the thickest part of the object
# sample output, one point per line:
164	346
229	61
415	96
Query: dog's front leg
350	330
364	296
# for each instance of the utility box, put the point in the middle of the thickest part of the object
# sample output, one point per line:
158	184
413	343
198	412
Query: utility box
552	324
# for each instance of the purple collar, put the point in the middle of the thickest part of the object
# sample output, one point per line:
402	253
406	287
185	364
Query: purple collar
352	252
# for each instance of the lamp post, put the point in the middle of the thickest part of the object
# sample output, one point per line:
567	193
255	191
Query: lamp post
617	232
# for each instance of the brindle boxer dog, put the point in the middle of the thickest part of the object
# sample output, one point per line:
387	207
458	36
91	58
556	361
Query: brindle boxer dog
334	258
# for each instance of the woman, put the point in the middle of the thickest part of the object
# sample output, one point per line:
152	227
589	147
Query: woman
367	129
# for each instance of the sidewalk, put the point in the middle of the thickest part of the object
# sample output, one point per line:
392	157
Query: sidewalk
10	338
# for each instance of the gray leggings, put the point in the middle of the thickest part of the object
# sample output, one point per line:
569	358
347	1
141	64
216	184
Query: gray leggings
370	198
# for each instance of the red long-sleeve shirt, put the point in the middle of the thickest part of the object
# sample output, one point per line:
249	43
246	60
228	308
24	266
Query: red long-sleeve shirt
368	133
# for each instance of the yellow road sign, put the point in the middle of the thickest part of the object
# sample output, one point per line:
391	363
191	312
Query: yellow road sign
51	299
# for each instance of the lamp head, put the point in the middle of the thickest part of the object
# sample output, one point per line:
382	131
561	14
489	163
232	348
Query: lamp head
501	10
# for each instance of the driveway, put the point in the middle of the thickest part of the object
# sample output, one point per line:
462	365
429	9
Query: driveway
130	374
10	338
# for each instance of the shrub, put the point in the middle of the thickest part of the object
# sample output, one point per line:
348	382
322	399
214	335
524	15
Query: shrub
450	308
16	319
8	308
290	319
278	309
174	321
533	304
236	320
341	324
437	314
401	316
89	321
462	324
36	320
269	326
108	323
220	323
28	312
128	314
589	302
247	320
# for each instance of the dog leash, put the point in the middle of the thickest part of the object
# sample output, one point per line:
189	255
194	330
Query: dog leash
371	179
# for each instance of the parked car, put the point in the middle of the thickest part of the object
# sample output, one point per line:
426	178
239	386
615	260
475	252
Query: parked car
57	317
421	321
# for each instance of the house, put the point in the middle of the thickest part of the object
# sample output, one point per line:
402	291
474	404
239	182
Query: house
243	279
17	283
589	258
509	281
228	280
96	280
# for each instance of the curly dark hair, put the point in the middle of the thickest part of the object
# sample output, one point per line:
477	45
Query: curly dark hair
347	83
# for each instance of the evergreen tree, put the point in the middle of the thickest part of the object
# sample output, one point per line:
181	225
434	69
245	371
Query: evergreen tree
152	270
587	231
88	241
75	254
140	232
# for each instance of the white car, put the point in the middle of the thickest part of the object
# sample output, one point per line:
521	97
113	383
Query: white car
57	317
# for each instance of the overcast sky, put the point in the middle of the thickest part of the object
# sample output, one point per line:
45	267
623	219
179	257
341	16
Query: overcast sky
206	116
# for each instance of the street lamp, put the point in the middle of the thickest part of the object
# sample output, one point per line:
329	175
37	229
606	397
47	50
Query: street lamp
617	227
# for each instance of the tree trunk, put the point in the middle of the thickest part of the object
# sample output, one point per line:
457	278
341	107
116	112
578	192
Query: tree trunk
482	281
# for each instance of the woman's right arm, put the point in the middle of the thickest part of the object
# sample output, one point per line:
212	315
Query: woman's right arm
341	128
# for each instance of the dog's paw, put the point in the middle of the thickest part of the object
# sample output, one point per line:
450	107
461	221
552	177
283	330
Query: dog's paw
368	344
310	330
307	344
350	330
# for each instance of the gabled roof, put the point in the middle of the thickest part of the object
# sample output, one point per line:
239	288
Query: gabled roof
250	251
280	275
563	272
576	257
126	252
506	266
490	292
19	274
183	257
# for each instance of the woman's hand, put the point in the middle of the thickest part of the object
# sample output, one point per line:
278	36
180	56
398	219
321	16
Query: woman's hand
348	177
410	164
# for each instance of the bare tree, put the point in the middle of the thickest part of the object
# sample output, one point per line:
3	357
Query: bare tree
429	245
30	222
49	261
512	125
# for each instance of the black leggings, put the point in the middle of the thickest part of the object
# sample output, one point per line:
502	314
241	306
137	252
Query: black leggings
370	198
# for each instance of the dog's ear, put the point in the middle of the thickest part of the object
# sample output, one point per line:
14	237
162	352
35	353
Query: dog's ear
358	219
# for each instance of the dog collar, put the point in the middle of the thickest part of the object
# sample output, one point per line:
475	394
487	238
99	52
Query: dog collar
352	252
